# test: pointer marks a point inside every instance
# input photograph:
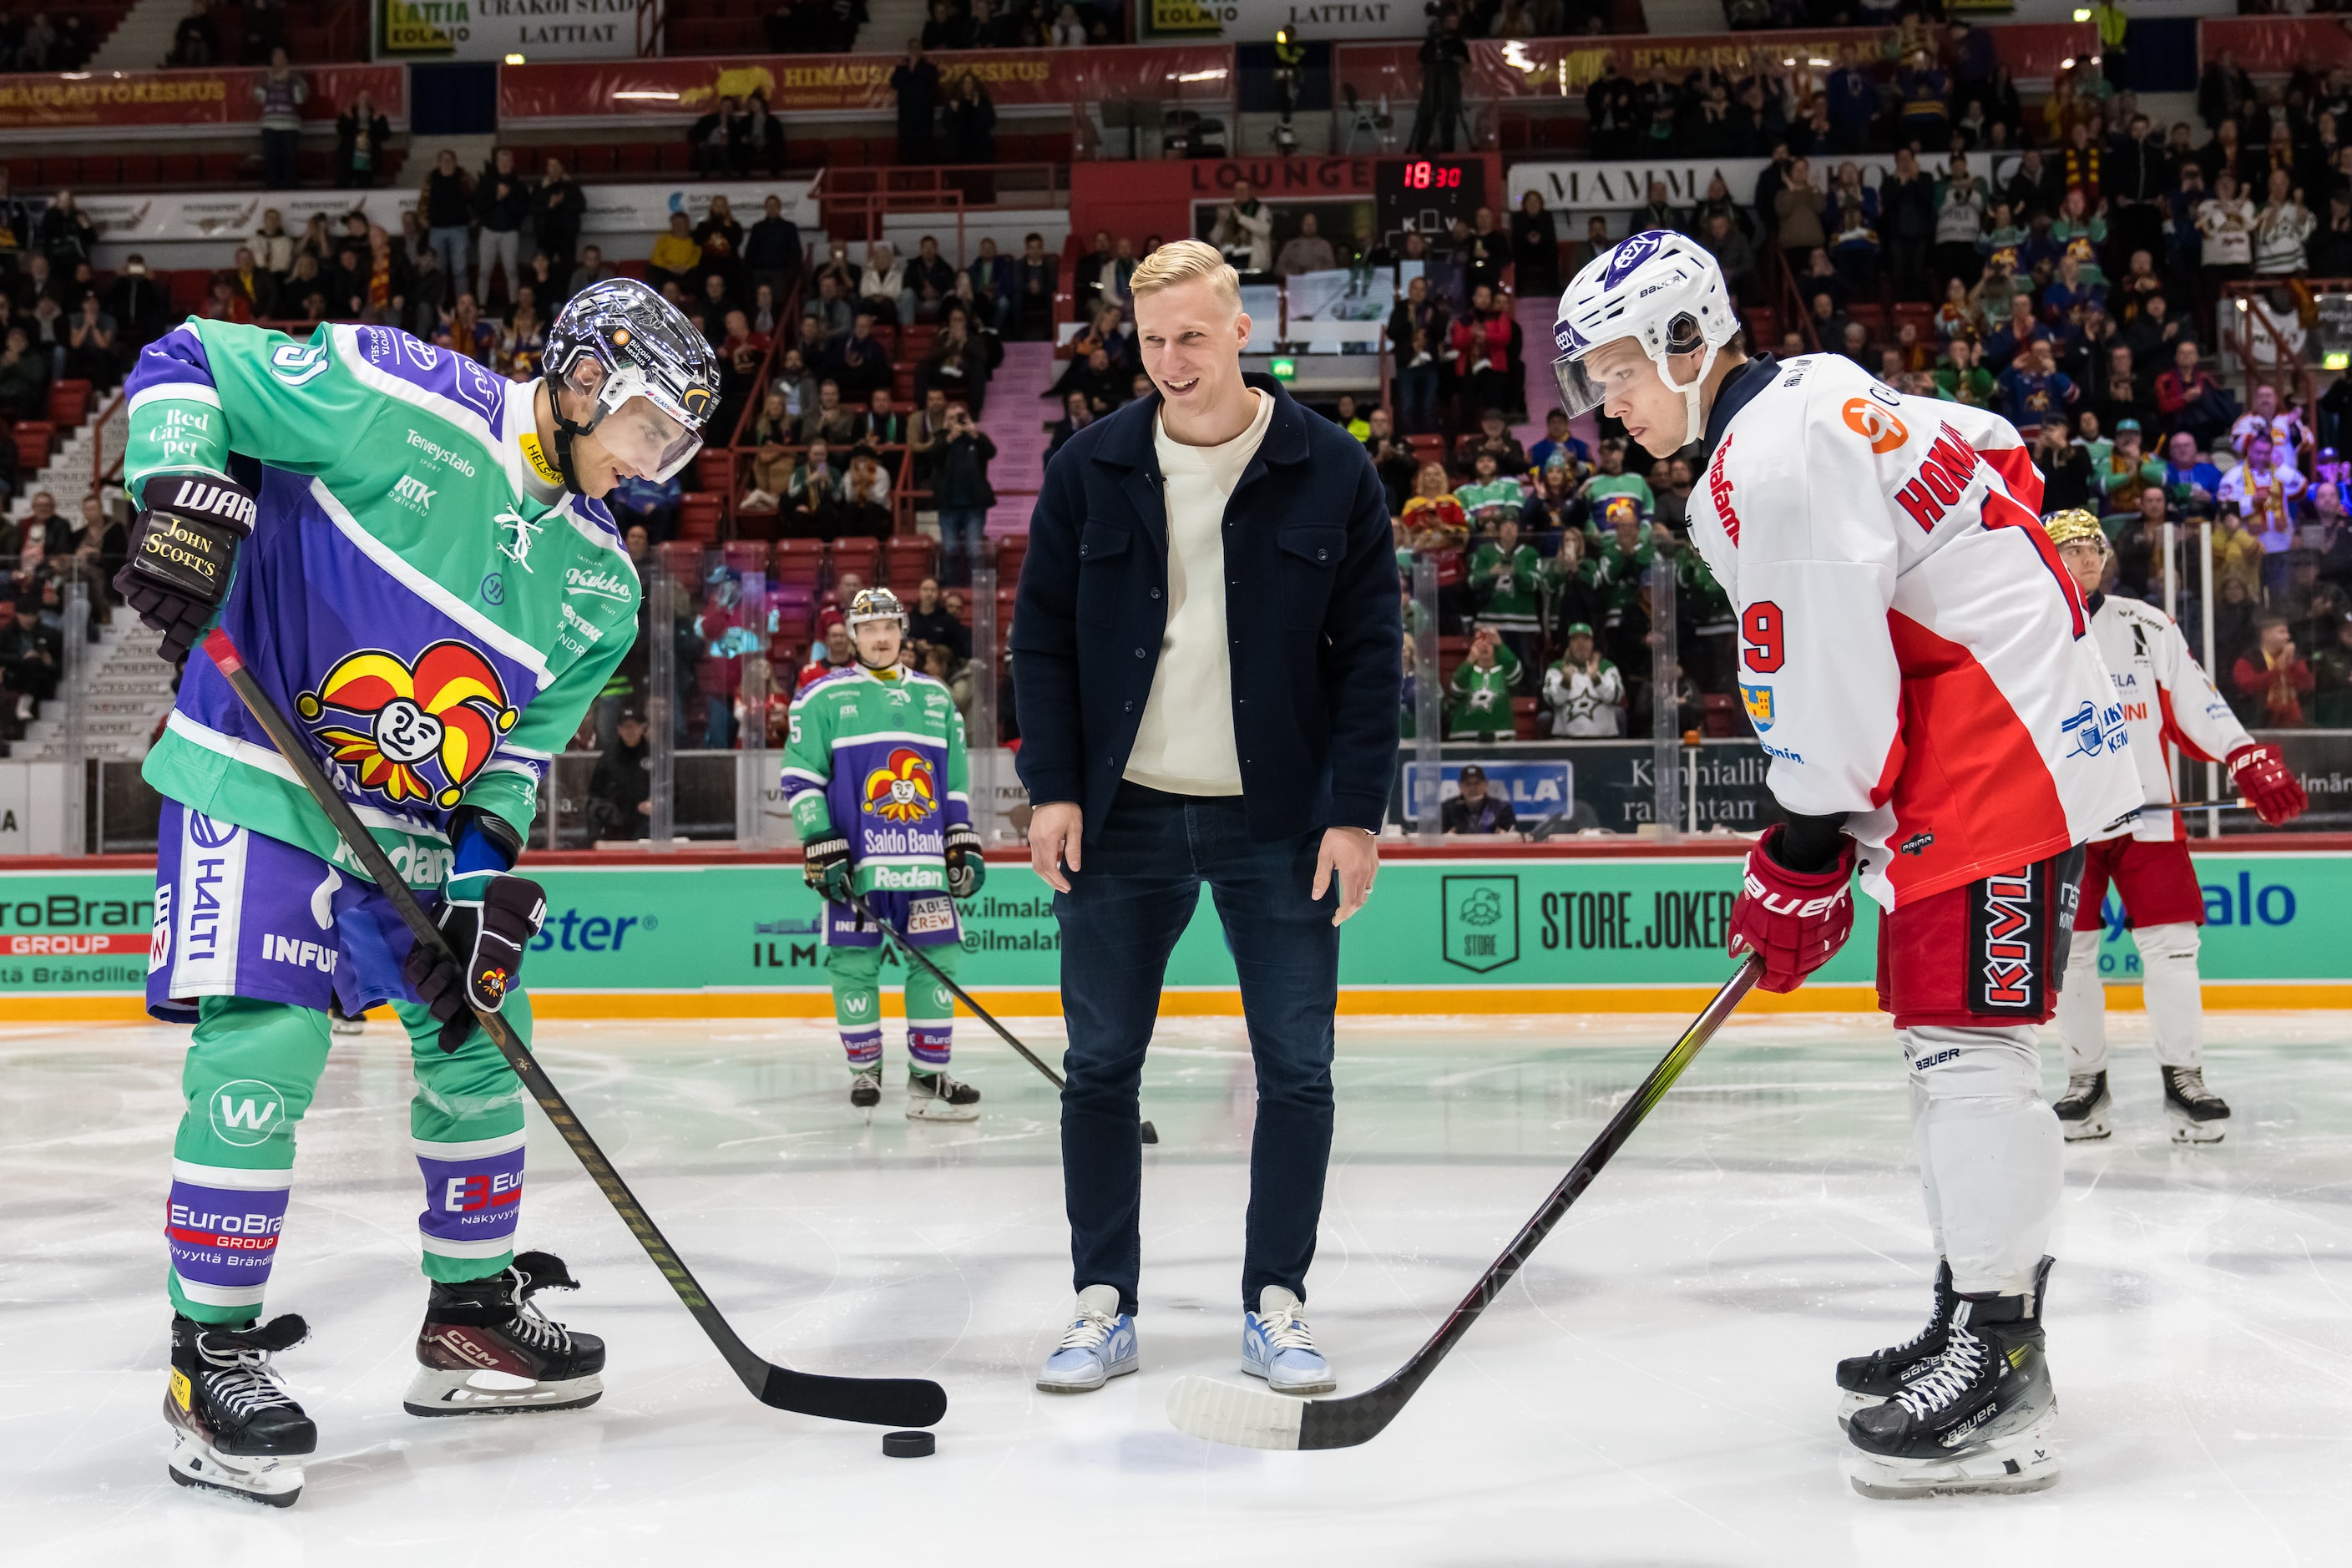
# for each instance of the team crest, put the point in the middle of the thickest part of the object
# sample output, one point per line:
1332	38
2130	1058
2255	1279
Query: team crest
902	790
447	711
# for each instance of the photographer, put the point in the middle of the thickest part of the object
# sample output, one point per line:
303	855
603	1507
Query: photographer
960	489
1442	56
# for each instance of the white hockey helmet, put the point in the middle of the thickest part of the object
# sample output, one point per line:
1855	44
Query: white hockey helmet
1657	286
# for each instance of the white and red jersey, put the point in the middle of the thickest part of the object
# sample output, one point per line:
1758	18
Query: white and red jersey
1912	651
2170	706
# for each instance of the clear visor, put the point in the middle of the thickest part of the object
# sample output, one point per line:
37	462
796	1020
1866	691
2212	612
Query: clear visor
634	422
1584	387
645	438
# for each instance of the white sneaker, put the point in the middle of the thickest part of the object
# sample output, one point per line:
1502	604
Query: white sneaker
1278	1346
1098	1345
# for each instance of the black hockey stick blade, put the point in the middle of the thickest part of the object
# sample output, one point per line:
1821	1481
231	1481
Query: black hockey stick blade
1254	1419
881	1402
1147	1133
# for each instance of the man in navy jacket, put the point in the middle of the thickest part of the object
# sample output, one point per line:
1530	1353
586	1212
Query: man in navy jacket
1206	644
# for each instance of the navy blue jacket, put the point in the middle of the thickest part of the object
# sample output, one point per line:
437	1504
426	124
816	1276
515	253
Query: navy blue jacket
1310	605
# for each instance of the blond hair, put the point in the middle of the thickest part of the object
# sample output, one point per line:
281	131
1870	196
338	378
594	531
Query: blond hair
1186	261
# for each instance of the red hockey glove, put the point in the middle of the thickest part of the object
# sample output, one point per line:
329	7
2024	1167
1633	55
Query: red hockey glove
1794	921
2263	777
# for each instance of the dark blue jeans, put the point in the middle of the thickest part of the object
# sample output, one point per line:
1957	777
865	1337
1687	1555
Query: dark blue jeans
1120	921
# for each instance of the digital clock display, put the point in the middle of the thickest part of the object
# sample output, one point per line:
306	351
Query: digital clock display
1426	194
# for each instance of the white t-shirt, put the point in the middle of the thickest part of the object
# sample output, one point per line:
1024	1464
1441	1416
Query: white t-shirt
1185	744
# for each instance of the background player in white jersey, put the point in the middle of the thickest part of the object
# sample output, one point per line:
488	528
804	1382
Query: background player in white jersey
2171	709
1916	661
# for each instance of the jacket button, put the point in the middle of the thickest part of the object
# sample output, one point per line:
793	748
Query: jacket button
1322	556
1155	593
1128	709
1139	653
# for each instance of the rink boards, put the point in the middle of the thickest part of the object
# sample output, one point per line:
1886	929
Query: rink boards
1535	930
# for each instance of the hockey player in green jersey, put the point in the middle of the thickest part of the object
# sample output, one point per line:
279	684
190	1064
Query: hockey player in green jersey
874	773
410	556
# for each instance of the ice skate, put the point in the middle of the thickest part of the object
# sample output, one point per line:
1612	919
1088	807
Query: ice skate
234	1430
936	1097
1984	1419
2084	1110
486	1348
339	1023
1865	1379
2196	1113
1278	1346
865	1088
1098	1345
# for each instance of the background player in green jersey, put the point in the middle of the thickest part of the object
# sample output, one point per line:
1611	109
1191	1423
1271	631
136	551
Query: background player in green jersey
876	775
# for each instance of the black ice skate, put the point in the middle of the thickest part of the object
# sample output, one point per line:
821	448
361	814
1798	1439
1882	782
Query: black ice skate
1864	1380
2196	1113
2083	1110
1984	1419
234	1427
485	1349
865	1087
936	1097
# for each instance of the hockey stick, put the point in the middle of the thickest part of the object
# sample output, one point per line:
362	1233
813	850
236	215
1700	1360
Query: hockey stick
882	1401
1251	1418
1149	1133
2135	813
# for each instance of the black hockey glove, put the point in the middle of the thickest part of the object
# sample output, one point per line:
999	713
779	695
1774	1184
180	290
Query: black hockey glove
182	548
966	870
488	940
824	866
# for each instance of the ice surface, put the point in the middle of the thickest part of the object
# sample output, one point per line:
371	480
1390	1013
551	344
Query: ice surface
1654	1389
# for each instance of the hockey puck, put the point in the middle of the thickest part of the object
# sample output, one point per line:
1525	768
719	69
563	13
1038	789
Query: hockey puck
909	1445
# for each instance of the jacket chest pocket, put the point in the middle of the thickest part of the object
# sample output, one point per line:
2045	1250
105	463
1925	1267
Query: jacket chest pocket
1103	551
1307	560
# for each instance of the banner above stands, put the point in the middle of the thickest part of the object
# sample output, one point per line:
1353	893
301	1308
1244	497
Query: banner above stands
683	90
1564	68
1587	186
2276	45
1257	21
146	103
493	29
622	219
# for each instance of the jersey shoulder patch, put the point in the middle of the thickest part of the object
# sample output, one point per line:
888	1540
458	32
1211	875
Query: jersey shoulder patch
427	375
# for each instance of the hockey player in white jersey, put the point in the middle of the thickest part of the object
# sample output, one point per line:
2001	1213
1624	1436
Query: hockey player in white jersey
2171	709
1916	662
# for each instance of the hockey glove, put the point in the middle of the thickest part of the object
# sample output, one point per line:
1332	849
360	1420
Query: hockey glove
824	866
2269	786
966	870
182	549
1794	921
488	939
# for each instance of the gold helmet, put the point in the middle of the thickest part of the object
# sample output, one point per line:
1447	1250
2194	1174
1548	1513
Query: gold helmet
2073	526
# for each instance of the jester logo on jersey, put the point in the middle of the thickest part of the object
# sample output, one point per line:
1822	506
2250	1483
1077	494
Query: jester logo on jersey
448	708
901	789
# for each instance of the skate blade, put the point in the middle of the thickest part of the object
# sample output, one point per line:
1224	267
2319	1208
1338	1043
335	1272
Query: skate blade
2095	1125
2188	1129
1848	1402
275	1480
433	1392
2024	1462
939	1110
